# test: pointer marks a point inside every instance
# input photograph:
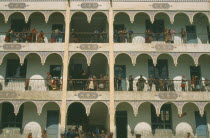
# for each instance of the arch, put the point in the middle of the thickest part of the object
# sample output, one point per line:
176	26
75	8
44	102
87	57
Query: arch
206	105
57	12
178	13
7	54
122	13
171	104
120	54
17	12
5	101
145	102
140	13
68	105
202	14
185	54
98	53
202	55
42	105
187	103
81	13
99	102
33	53
124	102
54	53
37	12
95	14
81	54
167	54
24	102
164	13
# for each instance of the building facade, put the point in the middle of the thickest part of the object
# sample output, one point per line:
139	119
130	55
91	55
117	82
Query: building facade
69	63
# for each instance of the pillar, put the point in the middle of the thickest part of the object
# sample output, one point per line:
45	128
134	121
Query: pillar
111	69
65	69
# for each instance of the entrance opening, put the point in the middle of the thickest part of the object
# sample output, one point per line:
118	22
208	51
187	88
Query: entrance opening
121	123
201	125
191	34
18	25
159	71
52	123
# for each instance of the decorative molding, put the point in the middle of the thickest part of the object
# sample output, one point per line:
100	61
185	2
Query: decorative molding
168	95
89	47
12	46
161	5
88	95
17	5
6	94
89	5
164	47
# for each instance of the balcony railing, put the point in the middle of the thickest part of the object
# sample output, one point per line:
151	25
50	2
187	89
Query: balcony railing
189	38
29	37
84	37
18	84
88	85
161	85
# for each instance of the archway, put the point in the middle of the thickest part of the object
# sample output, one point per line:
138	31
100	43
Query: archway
77	117
98	118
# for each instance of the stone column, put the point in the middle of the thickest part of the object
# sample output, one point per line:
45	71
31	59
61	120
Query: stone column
65	69
111	69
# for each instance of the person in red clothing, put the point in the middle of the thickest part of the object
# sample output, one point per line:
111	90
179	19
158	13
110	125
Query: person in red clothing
34	34
30	135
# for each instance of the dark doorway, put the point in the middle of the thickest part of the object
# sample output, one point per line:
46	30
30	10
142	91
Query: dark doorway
121	123
17	25
160	70
157	28
52	123
195	71
191	34
201	125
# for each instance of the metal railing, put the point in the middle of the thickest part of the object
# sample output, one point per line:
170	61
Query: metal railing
85	37
190	38
19	84
29	37
88	84
161	85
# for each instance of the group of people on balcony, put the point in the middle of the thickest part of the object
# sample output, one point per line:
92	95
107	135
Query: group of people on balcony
123	36
89	82
157	84
32	36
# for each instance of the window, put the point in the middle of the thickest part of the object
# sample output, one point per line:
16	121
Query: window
15	70
9	119
55	71
164	121
157	28
160	70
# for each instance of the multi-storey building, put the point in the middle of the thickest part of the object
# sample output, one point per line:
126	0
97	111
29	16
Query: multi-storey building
117	38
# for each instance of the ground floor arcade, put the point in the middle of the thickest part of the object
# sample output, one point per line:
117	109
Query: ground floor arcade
169	123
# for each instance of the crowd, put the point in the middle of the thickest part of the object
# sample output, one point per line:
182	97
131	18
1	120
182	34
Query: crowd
157	84
123	36
33	36
76	133
89	82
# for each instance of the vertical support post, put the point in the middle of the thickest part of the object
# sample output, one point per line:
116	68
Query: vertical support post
111	69
65	69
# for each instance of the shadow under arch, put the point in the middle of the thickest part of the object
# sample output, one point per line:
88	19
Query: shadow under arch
123	55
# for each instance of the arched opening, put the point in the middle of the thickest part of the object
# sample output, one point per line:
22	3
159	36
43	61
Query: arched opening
121	25
35	80
17	21
201	28
161	23
4	29
98	118
77	117
57	23
123	63
8	118
52	69
78	70
140	19
51	112
143	120
14	72
123	118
